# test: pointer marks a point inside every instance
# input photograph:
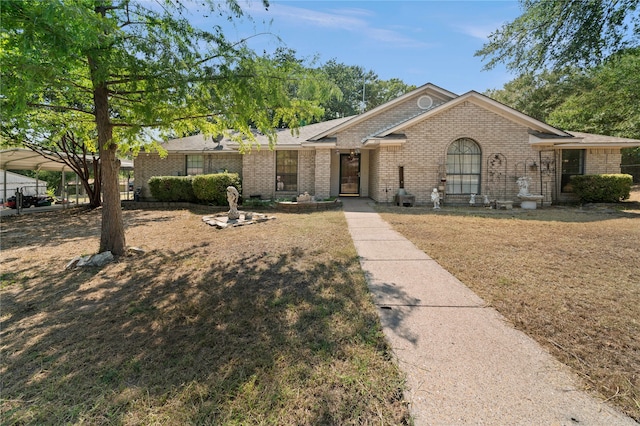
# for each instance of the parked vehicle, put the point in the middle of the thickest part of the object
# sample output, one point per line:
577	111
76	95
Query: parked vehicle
30	200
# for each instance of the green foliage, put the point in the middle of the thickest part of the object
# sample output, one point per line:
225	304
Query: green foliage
172	188
602	100
606	101
358	86
123	74
538	95
213	188
605	188
257	203
553	34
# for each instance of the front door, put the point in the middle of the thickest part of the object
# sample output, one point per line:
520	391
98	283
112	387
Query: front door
349	174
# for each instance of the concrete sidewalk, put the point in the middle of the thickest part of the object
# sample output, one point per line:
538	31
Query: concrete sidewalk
463	362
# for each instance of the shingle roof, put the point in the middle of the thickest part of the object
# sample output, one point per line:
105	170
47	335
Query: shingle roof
198	143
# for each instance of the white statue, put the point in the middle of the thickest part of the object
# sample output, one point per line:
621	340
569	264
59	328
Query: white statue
279	184
435	198
523	184
232	197
472	200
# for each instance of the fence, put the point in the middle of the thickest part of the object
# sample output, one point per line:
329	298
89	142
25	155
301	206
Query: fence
633	170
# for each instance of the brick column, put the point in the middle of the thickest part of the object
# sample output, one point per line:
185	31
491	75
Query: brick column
323	173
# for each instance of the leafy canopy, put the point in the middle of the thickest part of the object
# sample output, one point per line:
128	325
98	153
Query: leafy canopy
163	75
553	34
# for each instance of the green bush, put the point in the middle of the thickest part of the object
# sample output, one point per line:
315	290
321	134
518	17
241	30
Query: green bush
609	188
213	188
172	188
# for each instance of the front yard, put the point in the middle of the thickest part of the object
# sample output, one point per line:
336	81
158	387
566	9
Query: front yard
269	323
273	323
568	277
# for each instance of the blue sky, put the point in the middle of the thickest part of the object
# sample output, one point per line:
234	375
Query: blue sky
416	41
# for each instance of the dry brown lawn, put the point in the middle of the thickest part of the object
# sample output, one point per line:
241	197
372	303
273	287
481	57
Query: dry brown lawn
264	324
568	277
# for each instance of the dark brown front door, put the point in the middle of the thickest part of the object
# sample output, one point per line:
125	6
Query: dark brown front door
349	174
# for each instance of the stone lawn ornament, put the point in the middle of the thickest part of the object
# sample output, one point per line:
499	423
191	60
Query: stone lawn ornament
523	185
234	217
528	200
232	197
435	198
279	184
472	200
304	198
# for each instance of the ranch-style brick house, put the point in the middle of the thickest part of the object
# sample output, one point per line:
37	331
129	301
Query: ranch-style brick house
428	138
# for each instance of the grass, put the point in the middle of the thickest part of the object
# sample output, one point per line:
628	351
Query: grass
568	277
237	326
208	326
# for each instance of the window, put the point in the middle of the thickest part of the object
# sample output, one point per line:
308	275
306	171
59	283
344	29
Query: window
287	171
195	165
463	167
572	164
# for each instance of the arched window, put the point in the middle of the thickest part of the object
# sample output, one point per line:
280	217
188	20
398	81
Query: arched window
464	158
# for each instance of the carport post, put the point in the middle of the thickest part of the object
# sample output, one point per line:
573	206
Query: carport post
4	190
64	189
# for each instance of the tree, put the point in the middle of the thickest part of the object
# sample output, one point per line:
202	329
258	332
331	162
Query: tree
82	160
383	91
538	95
553	34
608	100
351	80
361	90
106	70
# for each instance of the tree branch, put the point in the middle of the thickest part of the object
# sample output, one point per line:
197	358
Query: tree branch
59	108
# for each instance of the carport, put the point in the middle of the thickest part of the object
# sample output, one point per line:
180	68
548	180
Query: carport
26	159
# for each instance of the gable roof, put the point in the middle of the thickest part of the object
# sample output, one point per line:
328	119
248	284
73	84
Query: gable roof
322	134
486	103
384	107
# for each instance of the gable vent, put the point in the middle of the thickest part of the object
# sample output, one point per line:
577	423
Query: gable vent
425	102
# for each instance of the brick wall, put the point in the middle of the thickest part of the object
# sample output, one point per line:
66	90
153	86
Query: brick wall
259	173
599	160
322	173
307	171
148	165
428	141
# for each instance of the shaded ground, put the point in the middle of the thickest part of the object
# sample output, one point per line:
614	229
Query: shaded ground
568	277
269	323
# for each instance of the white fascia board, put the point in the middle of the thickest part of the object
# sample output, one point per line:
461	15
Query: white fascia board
318	145
383	142
534	140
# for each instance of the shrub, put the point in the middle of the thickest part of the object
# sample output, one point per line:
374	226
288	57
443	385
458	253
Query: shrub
607	188
213	188
172	188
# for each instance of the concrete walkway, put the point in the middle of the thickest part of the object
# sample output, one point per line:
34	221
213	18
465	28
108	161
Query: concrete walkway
464	363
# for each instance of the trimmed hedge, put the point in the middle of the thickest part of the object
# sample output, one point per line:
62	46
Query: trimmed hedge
213	188
172	188
606	188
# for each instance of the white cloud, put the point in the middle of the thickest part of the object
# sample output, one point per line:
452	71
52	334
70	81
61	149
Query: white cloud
353	20
481	32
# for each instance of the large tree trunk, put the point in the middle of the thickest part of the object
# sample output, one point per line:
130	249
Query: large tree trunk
112	233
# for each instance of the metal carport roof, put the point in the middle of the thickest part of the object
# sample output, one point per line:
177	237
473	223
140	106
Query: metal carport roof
25	159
